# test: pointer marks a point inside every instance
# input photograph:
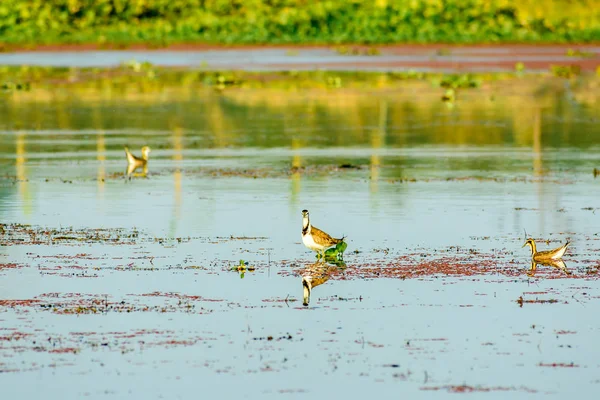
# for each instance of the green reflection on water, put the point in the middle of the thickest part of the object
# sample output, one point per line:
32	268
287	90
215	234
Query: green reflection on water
179	116
21	172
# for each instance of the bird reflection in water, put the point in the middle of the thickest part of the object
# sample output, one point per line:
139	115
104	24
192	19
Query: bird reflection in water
558	264
317	274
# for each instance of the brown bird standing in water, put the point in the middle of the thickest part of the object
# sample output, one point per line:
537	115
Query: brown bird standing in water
314	238
134	162
546	255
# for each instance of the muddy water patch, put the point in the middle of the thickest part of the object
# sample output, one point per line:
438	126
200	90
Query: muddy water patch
473	389
50	348
466	264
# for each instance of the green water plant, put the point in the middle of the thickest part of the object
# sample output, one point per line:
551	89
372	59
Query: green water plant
15	86
242	268
449	96
357	51
460	81
519	67
565	71
580	53
336	252
158	23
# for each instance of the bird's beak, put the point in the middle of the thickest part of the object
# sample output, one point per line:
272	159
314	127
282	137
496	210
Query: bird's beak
524	245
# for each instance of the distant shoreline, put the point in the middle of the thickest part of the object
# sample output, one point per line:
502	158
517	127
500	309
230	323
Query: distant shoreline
187	24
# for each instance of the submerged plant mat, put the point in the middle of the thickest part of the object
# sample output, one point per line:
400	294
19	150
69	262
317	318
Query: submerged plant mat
458	261
64	255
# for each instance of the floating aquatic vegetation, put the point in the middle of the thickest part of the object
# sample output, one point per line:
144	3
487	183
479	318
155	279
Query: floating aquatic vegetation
559	365
334	81
521	301
519	67
472	389
580	53
565	71
243	267
336	252
15	86
460	81
16	234
222	80
357	51
449	96
138	66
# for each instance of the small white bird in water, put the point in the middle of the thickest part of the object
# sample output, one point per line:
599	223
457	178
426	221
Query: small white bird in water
314	238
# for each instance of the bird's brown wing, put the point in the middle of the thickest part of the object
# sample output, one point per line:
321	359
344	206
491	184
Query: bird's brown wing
323	239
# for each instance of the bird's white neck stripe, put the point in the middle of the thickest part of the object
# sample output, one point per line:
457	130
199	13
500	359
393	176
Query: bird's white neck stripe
305	225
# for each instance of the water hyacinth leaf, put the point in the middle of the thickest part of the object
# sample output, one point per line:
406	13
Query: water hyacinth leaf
337	250
332	252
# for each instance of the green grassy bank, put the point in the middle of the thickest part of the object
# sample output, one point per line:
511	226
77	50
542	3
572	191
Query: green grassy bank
160	22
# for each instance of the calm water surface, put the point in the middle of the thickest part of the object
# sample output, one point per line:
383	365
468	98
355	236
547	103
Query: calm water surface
158	313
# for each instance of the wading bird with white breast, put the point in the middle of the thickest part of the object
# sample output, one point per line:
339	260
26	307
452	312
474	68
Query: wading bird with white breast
314	238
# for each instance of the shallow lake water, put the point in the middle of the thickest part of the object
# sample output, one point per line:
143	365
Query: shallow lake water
333	58
114	286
